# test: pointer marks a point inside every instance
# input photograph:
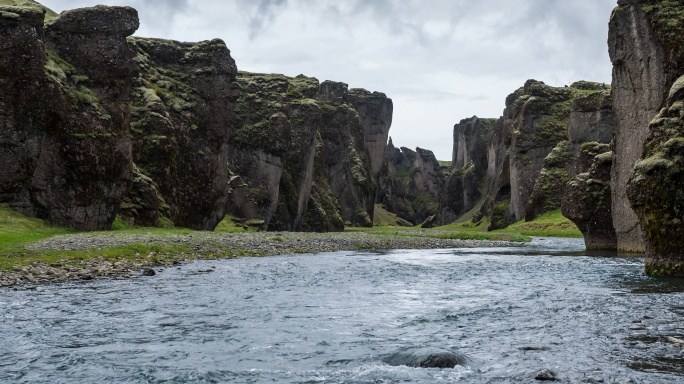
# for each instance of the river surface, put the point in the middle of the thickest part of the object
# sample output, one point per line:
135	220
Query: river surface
333	317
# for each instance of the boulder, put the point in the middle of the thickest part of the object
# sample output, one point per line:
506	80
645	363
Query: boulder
427	357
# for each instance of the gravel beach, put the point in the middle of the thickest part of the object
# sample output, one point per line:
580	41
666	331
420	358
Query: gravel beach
207	245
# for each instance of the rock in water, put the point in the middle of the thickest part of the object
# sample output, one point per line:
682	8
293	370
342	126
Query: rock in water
547	375
426	357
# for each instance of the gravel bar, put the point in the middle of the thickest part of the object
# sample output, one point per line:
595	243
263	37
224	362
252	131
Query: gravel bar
205	245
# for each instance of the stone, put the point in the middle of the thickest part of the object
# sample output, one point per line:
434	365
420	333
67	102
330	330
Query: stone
547	375
426	357
148	272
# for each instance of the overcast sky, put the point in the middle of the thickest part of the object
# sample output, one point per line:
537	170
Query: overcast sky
439	60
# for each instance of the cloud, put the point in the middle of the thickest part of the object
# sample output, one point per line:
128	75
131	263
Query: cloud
441	60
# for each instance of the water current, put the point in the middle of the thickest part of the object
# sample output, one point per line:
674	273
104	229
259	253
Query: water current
334	317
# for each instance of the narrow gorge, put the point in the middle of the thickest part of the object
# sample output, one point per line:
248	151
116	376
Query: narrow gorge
96	123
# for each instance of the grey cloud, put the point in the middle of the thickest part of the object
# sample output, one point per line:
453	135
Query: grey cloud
266	12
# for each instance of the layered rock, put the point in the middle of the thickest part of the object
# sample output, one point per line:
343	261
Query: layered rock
656	191
183	105
317	173
464	185
64	113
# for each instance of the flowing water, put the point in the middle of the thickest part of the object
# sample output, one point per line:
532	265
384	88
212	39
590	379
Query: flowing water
332	318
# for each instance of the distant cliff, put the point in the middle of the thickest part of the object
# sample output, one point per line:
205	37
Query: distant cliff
411	183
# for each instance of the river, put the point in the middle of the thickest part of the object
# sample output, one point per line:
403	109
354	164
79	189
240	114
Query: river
334	317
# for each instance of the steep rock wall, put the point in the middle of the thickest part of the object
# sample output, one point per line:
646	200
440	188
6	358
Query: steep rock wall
375	111
64	113
464	185
183	110
318	135
638	86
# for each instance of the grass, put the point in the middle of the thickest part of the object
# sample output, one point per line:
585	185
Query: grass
550	224
17	230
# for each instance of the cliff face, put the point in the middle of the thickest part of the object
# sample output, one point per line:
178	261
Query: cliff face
411	185
655	188
375	111
590	121
316	174
183	104
64	112
638	86
465	183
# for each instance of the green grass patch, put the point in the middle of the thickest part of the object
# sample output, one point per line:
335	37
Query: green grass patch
17	230
550	224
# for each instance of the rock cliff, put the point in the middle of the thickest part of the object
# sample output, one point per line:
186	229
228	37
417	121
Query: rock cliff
464	185
64	92
307	148
182	105
656	191
411	184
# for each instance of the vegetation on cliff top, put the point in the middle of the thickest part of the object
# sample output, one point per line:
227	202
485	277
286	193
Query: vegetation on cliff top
49	14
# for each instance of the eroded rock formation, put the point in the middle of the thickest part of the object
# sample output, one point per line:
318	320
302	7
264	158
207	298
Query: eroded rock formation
183	104
303	152
464	186
64	114
656	188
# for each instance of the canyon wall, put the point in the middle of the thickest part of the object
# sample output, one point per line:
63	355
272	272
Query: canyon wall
64	114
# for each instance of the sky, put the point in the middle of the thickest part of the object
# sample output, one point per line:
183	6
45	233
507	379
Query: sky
440	61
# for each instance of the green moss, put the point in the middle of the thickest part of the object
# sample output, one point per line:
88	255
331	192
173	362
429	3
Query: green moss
28	5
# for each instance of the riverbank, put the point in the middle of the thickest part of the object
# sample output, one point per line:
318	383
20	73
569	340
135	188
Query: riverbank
87	256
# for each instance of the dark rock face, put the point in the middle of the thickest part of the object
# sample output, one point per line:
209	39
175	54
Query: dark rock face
590	121
314	172
375	111
411	184
639	82
183	105
540	116
587	198
655	188
64	111
464	185
426	358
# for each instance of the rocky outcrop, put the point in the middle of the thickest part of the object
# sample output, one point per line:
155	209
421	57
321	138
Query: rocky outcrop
375	111
64	92
590	121
465	184
314	169
183	104
655	188
411	184
587	198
